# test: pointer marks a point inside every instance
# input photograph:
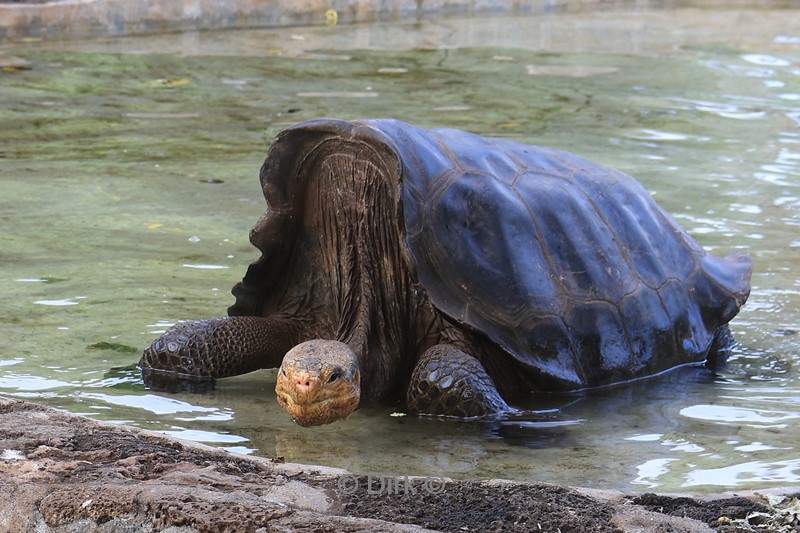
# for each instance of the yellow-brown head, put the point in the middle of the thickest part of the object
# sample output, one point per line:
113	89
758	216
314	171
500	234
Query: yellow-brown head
319	382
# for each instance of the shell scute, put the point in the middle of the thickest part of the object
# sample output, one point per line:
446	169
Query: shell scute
583	250
470	226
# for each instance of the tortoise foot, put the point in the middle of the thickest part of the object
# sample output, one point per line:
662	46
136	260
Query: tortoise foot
179	360
450	382
721	349
184	350
191	355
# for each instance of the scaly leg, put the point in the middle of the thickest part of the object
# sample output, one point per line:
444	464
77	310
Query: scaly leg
191	355
450	382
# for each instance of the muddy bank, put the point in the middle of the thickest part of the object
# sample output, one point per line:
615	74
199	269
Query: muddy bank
62	472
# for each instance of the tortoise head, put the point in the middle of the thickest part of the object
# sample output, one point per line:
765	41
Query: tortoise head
319	382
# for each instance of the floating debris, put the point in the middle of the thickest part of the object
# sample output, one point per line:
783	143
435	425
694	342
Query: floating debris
331	17
176	82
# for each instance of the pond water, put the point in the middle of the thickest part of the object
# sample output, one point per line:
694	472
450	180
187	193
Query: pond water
129	184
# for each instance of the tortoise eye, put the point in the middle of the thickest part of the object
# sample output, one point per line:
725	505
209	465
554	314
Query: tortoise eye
283	372
334	376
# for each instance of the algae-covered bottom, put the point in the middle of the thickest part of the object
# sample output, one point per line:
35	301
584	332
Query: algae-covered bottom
129	184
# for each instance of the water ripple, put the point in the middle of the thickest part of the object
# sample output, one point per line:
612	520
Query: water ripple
27	383
739	415
744	474
60	303
738	111
158	405
650	471
739	70
204	436
767	60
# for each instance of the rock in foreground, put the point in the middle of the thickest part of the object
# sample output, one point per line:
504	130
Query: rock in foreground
65	473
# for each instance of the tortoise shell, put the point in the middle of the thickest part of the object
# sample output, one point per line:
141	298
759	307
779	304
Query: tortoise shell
568	267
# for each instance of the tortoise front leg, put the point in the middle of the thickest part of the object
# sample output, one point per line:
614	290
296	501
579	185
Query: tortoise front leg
191	355
450	382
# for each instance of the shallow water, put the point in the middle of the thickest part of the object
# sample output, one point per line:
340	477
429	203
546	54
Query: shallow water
129	184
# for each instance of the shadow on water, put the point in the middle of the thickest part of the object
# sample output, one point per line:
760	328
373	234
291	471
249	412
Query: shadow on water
534	427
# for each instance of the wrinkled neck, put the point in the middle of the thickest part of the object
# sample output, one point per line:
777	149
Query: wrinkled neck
362	278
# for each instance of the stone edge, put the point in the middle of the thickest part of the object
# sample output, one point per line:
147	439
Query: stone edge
114	18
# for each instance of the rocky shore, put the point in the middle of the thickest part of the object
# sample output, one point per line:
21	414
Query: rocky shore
66	473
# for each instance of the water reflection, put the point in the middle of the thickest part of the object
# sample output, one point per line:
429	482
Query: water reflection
739	415
786	473
159	405
59	303
205	436
19	383
649	472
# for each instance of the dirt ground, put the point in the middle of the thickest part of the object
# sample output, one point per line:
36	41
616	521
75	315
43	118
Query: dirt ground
64	473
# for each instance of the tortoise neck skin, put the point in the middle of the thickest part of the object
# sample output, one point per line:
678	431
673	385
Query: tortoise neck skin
344	276
351	201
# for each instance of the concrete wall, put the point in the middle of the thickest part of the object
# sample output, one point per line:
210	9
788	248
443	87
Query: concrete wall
92	18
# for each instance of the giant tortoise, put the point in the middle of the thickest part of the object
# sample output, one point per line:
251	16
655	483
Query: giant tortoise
464	273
